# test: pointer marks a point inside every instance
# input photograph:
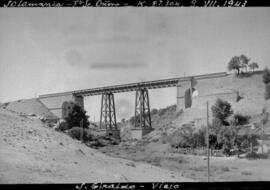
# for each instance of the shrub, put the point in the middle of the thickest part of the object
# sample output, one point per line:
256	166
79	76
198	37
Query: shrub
266	76
267	91
227	137
188	138
182	138
213	142
222	110
239	119
77	115
245	140
75	133
198	138
254	155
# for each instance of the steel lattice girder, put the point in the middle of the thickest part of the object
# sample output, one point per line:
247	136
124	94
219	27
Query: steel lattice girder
142	109
107	113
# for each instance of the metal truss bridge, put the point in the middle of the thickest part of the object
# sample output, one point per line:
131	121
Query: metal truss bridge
172	82
142	106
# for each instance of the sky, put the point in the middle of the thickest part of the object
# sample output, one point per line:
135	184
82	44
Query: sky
47	50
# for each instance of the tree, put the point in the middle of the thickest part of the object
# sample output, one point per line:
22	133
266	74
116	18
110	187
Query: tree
253	66
222	110
75	117
244	60
235	64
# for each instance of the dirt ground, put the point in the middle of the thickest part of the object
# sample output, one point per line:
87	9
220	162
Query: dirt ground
31	152
192	166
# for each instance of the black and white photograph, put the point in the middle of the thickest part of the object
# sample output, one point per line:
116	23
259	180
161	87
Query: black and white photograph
134	94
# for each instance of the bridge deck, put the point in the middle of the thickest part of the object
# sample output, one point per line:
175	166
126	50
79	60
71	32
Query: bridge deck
135	86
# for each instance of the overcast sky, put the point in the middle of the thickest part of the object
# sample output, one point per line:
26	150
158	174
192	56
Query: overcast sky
45	50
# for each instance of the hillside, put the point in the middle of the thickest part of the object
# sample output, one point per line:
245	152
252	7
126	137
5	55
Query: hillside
29	107
251	91
31	152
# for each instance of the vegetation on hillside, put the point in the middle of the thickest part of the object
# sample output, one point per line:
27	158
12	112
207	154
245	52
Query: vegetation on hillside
228	132
76	125
158	115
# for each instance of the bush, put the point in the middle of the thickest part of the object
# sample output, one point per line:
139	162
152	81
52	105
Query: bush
222	110
75	133
244	141
239	119
77	115
266	76
227	137
213	142
267	91
182	138
188	138
254	155
198	139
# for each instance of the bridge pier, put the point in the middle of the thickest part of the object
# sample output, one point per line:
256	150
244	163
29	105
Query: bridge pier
143	123
184	93
108	116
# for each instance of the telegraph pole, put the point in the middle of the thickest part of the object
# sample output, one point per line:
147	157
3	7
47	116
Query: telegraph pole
207	143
